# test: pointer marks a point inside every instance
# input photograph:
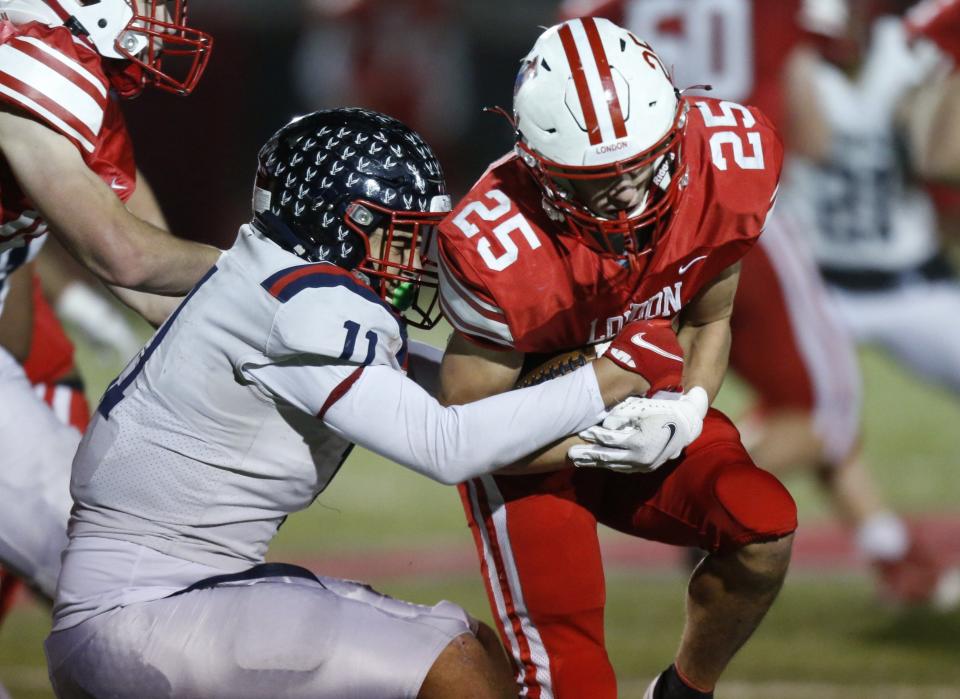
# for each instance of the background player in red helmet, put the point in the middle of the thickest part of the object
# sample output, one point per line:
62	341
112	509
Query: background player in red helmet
67	167
623	200
788	344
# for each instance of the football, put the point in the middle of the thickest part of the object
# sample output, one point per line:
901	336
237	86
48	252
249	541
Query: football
559	364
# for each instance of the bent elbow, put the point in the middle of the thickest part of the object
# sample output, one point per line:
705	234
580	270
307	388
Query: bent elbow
124	265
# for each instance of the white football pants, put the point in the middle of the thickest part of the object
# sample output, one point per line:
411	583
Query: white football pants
918	324
274	636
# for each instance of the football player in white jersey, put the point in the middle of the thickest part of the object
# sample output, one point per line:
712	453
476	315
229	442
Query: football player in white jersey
241	410
67	167
853	102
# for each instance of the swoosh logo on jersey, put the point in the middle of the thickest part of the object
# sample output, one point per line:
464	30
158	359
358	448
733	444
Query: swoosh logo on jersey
691	263
638	340
117	187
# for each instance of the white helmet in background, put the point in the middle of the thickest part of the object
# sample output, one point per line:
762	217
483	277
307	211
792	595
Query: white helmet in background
143	32
825	17
593	102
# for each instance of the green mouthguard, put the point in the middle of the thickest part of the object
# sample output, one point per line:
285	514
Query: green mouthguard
402	296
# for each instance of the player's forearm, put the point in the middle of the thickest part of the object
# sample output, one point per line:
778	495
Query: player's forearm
550	458
16	321
932	123
153	308
707	351
807	132
135	255
457	443
91	222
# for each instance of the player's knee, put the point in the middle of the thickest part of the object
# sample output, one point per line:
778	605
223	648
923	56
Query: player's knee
466	670
757	502
766	562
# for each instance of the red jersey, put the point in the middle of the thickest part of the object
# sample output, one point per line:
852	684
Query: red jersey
512	277
939	22
51	352
52	76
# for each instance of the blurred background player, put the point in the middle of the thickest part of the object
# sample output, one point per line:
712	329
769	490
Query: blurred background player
421	45
82	304
67	168
863	137
789	345
619	202
290	350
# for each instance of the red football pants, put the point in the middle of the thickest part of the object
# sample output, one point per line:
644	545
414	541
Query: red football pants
540	557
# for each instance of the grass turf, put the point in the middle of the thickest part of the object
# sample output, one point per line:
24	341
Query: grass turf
826	636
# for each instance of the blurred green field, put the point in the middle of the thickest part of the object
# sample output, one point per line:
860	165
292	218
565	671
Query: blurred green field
826	636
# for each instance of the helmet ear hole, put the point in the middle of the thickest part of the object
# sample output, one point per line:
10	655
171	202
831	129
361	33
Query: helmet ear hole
362	216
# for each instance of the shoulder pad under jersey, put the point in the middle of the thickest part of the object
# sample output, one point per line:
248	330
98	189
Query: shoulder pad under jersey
737	153
326	312
491	245
57	79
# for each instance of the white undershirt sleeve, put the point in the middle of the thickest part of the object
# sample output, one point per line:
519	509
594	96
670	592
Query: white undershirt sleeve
390	414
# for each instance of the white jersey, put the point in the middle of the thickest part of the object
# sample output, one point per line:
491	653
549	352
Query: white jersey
862	212
242	408
180	446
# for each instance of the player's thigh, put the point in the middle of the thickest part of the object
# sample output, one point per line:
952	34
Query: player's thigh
925	335
279	637
34	479
712	496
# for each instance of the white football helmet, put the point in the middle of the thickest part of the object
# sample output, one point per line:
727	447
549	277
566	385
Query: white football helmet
593	102
142	32
825	17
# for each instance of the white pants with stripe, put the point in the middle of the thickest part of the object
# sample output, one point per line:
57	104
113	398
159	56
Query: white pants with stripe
916	323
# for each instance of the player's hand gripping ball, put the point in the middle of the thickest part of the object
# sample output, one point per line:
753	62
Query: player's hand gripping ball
642	434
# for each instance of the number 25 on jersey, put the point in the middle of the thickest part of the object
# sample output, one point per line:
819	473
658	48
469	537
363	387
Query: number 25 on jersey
503	232
719	139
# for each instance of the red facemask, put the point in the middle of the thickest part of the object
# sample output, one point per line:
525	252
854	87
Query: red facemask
410	283
627	233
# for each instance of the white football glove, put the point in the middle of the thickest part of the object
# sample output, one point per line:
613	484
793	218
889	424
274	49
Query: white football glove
641	434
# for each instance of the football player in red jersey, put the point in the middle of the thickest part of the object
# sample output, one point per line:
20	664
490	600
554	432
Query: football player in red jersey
624	199
67	166
788	344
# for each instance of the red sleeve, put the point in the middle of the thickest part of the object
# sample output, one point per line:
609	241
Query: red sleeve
46	73
938	21
466	303
51	352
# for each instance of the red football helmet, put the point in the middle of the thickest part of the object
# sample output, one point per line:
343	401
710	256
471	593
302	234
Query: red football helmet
150	37
593	108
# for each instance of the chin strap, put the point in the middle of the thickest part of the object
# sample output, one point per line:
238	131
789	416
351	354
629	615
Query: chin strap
69	21
274	228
